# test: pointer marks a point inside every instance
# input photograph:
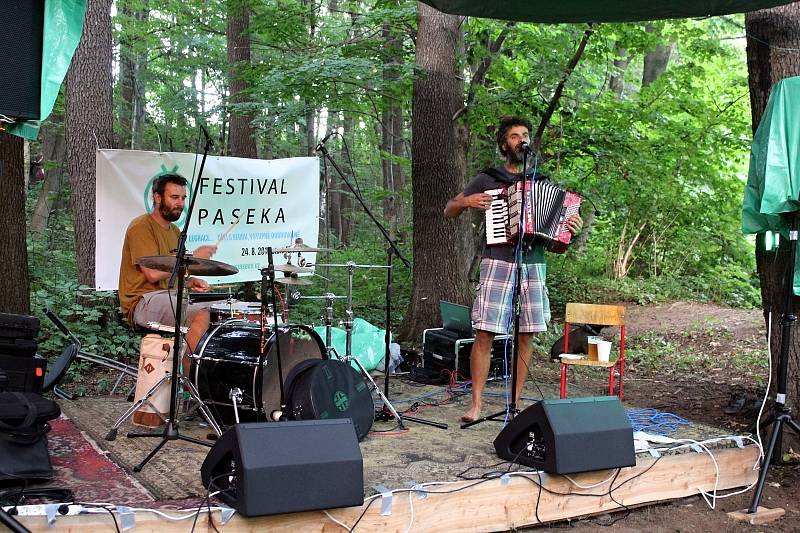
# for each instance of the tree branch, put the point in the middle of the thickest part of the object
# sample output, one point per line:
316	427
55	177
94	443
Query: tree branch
537	138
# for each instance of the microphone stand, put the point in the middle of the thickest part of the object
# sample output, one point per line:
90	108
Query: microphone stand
386	412
511	409
782	415
171	428
268	274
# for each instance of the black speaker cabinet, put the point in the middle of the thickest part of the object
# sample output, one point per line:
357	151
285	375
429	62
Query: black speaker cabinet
283	467
21	57
567	436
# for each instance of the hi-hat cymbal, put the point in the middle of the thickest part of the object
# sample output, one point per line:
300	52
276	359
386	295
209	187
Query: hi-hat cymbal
294	281
194	265
299	247
292	269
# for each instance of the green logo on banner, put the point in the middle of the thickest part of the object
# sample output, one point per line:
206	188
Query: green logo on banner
148	193
341	400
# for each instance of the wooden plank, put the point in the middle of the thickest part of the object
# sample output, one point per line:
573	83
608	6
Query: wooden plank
609	315
490	505
761	516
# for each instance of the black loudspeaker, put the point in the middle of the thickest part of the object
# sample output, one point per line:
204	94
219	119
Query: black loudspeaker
21	57
567	436
283	467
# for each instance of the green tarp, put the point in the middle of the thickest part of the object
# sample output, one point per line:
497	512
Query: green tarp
63	24
773	181
598	10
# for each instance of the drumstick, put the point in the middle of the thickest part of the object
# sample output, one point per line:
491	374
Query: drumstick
227	231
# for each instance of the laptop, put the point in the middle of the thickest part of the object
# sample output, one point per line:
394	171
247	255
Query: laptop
456	318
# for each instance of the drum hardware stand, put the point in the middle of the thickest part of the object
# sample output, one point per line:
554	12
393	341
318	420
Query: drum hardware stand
268	275
511	409
236	397
171	431
782	414
194	395
387	412
392	249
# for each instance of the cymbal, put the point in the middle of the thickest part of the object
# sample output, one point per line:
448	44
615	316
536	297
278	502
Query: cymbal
194	265
294	281
299	247
292	269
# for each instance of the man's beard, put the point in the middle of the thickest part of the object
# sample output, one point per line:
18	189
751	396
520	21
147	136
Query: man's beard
170	214
515	157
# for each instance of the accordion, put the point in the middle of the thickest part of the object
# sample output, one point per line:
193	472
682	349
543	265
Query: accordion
547	209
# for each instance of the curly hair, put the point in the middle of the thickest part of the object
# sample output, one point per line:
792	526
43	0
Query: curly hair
160	182
506	123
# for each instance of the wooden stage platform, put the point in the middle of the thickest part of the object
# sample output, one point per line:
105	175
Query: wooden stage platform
464	488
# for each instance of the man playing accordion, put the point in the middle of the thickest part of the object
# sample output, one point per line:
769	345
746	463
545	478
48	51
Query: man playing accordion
492	311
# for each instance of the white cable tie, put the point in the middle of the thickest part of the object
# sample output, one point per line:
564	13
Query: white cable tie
654	452
505	479
739	441
225	514
418	489
127	517
51	510
696	447
386	499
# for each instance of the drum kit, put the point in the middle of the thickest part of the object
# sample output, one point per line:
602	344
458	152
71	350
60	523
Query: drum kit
253	366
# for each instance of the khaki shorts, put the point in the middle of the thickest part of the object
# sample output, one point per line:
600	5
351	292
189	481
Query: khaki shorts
160	306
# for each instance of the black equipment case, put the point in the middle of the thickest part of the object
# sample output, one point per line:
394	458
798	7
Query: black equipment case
444	349
23	440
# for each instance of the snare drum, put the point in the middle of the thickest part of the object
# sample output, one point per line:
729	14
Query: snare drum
227	358
234	309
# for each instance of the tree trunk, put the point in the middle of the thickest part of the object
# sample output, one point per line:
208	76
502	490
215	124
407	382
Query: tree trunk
771	58
14	283
655	61
132	64
345	199
88	126
442	248
241	132
391	136
617	82
53	155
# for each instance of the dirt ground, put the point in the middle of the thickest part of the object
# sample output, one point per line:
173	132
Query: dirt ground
715	333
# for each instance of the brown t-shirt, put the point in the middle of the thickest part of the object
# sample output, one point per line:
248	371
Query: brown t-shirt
144	237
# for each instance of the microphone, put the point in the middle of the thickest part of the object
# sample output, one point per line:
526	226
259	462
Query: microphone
526	147
325	139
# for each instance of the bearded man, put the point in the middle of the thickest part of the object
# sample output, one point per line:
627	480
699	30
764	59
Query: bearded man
143	292
492	311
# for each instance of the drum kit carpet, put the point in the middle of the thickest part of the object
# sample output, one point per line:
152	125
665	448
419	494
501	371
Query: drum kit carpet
251	366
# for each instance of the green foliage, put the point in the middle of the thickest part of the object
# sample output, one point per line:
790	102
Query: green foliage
93	317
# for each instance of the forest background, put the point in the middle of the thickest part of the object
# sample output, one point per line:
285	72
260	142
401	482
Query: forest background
650	121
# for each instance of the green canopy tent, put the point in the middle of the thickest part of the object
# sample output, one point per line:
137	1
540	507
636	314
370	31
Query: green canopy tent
594	11
773	181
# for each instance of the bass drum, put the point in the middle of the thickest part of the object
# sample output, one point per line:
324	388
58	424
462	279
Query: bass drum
228	358
330	389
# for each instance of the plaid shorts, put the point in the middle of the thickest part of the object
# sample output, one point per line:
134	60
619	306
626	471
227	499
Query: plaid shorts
492	310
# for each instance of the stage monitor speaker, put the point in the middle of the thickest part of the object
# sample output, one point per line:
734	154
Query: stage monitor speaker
21	57
284	467
567	436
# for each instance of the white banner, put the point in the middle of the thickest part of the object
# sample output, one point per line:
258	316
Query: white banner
274	202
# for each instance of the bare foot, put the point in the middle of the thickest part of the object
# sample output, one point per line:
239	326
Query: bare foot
471	415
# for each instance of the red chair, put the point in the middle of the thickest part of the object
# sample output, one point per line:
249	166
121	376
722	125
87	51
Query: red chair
604	315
